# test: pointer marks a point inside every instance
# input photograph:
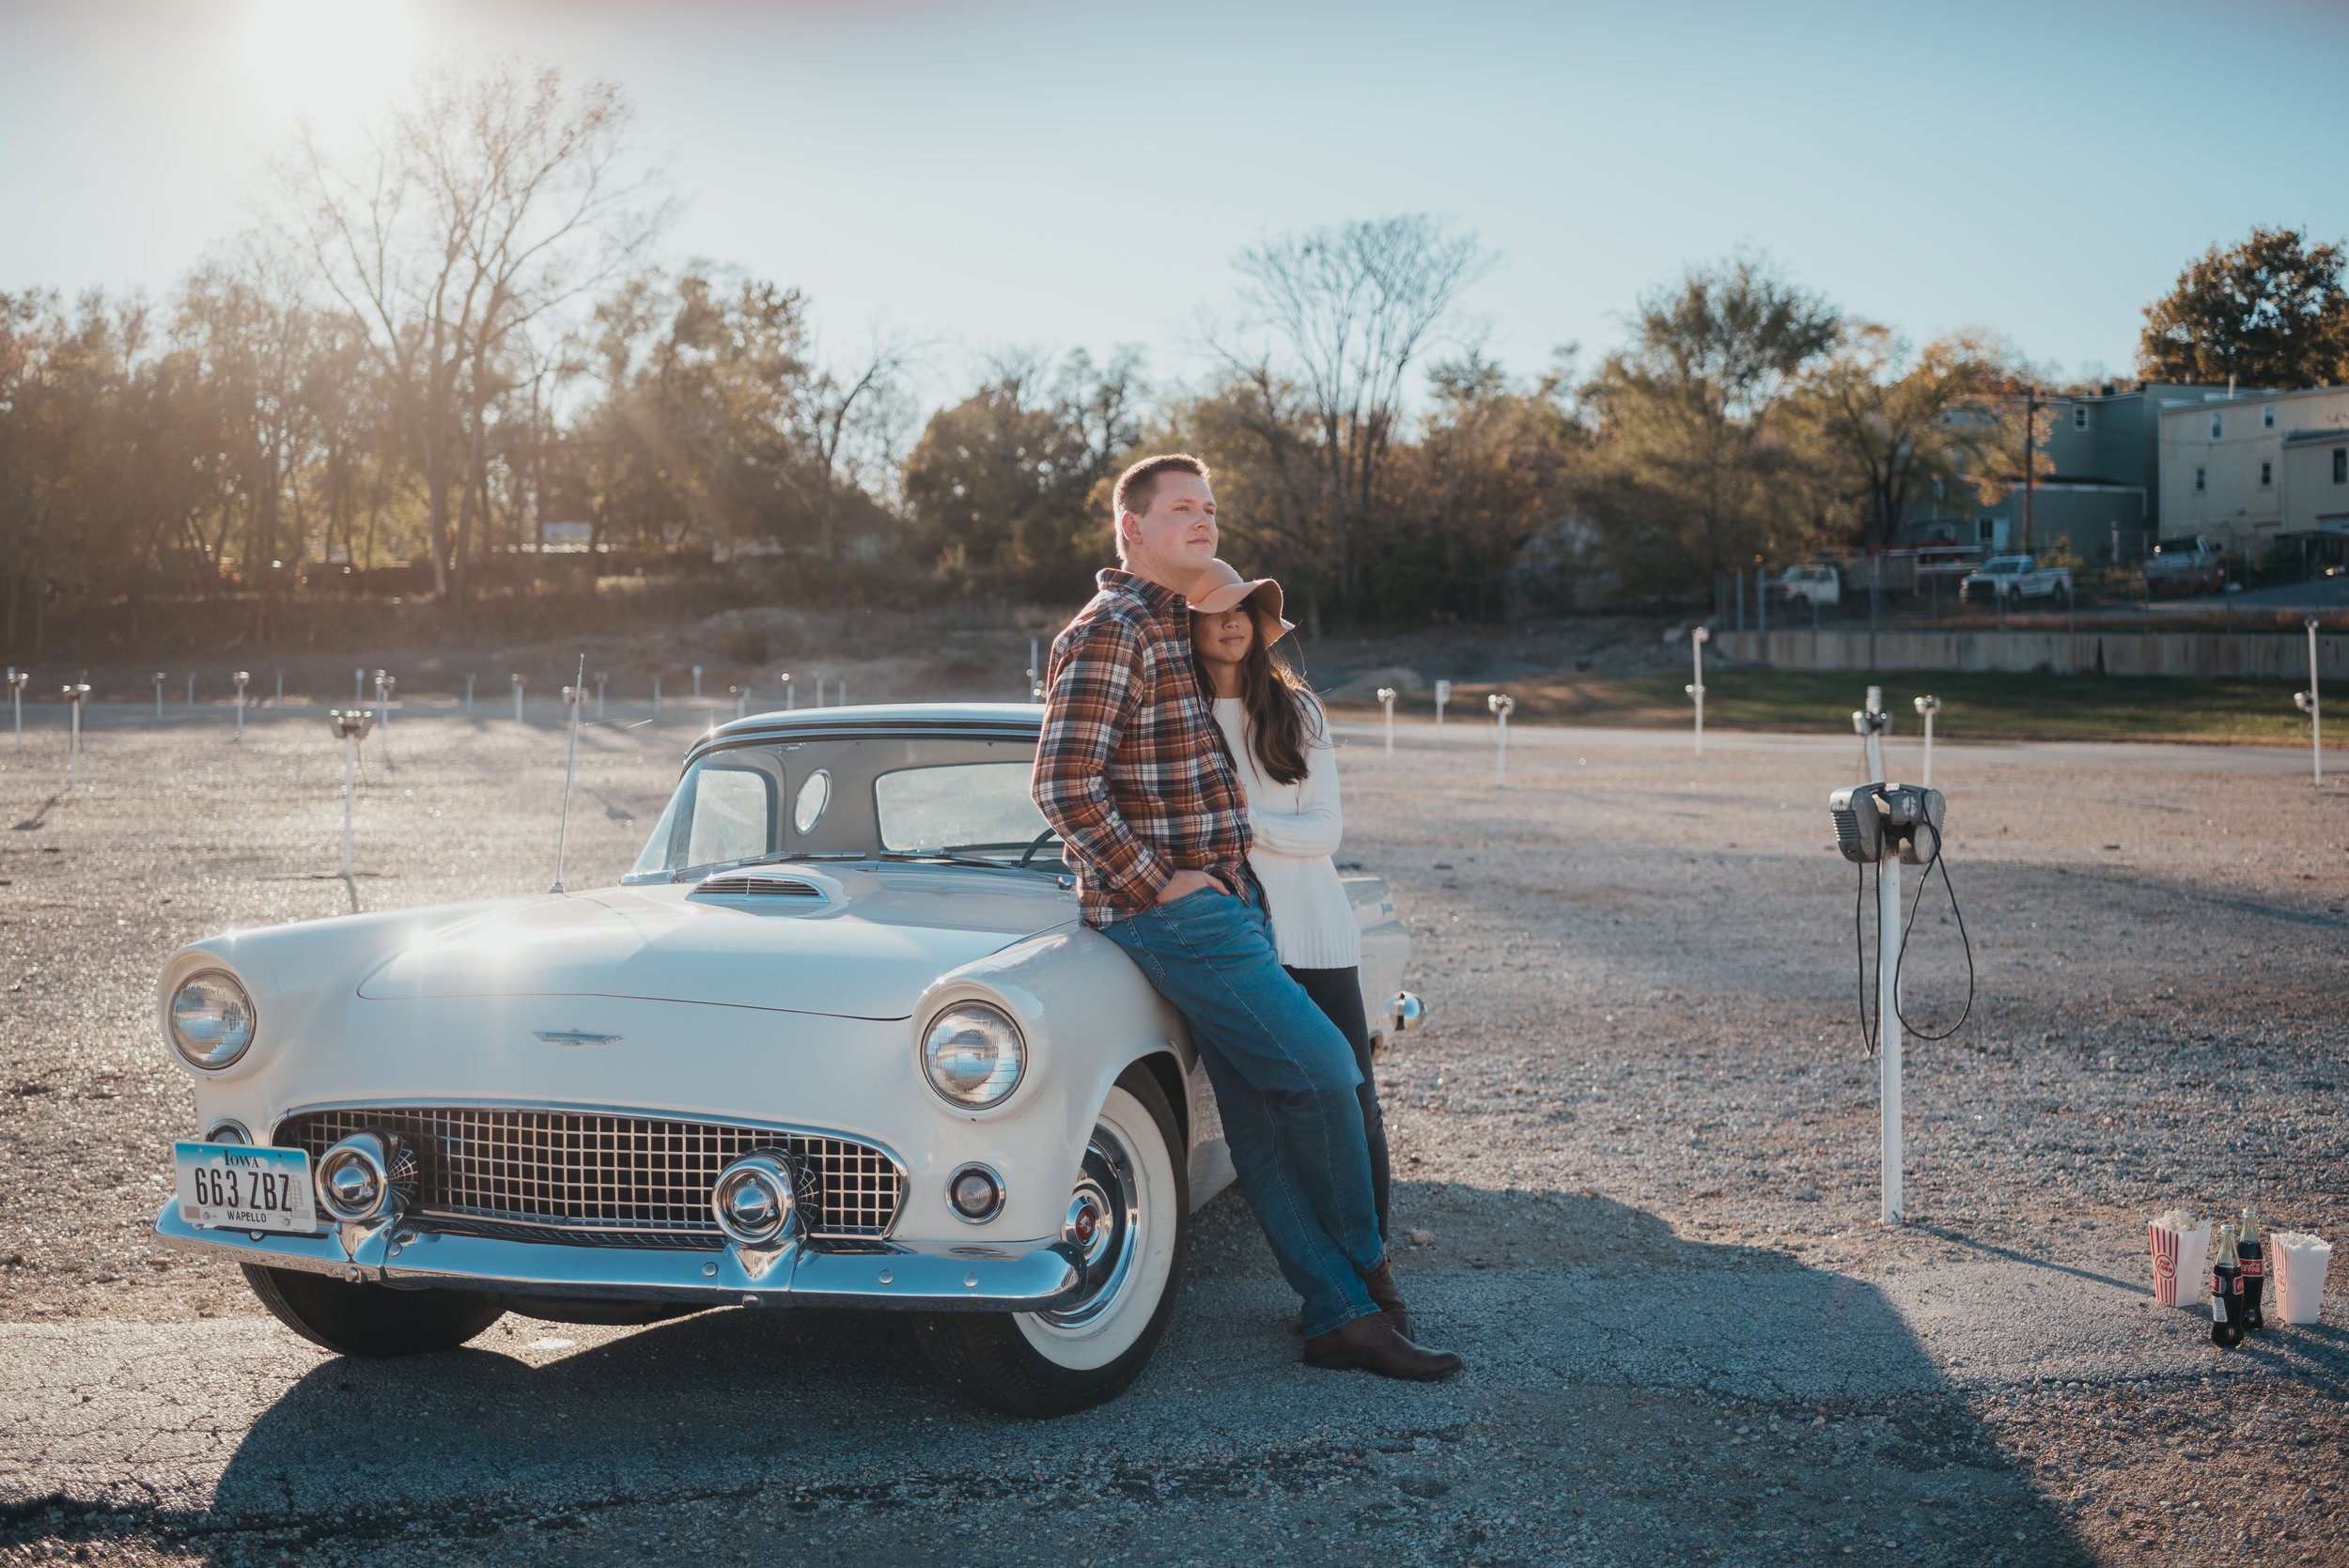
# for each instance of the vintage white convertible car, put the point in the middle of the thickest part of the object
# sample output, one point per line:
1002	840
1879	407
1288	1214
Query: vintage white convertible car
838	1039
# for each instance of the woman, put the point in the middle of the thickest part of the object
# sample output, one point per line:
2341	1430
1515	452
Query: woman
1280	741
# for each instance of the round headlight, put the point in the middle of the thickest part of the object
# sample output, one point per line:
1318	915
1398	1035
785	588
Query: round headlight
974	1054
212	1021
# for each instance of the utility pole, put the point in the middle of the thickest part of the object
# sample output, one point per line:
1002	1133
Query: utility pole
2031	457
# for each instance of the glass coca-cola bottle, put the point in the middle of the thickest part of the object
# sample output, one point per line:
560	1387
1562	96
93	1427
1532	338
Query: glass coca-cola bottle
2226	1292
2250	1256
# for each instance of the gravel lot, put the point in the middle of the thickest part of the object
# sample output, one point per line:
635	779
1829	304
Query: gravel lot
1640	1134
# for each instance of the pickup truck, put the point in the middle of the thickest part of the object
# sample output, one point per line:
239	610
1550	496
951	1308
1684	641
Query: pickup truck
1819	583
2006	577
2184	567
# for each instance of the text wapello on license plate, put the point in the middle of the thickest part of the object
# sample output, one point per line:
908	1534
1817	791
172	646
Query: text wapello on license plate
236	1187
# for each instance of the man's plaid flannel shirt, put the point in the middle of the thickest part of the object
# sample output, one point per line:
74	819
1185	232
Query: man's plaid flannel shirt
1132	771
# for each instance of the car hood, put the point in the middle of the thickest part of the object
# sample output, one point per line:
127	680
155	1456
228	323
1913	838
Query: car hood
863	950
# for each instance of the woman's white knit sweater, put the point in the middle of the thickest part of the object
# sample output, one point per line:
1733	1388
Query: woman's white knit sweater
1297	827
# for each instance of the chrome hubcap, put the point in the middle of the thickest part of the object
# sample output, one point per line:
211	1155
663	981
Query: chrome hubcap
1103	1227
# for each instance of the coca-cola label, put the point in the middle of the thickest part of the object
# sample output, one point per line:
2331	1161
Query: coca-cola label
2217	1303
2254	1266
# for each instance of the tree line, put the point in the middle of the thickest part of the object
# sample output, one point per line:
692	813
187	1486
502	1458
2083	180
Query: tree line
451	361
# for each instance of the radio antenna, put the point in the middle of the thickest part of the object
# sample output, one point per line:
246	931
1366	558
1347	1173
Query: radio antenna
571	696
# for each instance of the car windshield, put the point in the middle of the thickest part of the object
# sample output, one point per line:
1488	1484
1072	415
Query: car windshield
846	798
2004	565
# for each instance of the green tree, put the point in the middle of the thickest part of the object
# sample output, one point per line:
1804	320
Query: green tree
1691	470
2268	312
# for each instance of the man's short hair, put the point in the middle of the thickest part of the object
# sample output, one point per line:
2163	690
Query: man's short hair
1134	486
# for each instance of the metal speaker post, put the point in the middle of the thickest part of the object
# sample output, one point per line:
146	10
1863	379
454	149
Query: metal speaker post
1872	725
160	679
698	683
1697	639
600	677
574	696
351	727
77	694
1501	706
1926	708
820	689
242	676
17	679
741	700
1386	699
1443	695
280	703
789	699
191	691
655	696
2310	704
1889	1031
358	688
1035	665
842	697
383	684
516	679
469	680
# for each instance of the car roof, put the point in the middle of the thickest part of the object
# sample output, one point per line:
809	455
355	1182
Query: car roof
995	721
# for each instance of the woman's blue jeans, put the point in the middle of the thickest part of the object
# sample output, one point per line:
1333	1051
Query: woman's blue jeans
1284	1080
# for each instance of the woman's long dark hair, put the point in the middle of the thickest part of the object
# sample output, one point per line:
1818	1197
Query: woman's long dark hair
1280	708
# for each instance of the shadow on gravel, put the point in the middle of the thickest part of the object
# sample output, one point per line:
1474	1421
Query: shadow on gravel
1624	1384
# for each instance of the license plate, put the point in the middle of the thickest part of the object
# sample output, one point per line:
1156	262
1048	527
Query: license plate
231	1187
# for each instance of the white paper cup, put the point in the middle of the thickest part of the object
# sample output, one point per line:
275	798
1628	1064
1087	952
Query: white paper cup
2299	1266
2181	1263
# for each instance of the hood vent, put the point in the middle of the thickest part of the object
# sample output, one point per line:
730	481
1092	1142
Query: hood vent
740	885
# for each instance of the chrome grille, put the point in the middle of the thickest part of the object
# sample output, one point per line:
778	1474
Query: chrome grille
603	1178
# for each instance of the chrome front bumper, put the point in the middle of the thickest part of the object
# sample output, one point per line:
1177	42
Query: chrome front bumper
1037	1278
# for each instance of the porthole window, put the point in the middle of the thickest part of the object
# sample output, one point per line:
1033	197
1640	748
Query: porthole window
807	807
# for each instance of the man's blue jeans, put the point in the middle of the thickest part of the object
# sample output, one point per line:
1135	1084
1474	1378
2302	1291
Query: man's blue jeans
1285	1080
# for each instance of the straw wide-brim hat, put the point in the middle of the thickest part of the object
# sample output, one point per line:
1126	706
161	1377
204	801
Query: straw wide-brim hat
1220	588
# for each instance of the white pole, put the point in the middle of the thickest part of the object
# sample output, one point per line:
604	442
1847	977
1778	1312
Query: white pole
469	680
698	683
382	700
159	697
820	689
599	679
2316	716
242	675
358	686
73	695
518	697
281	690
1035	670
655	696
742	701
841	698
1501	704
1697	640
16	700
788	697
1927	706
1443	695
1386	698
1876	736
1888	1026
191	691
350	789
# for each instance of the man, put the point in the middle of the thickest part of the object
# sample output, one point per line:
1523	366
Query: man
1134	775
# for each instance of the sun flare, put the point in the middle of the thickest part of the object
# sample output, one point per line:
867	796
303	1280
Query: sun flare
329	59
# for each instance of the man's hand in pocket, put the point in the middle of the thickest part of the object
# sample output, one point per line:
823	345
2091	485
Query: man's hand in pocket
1183	883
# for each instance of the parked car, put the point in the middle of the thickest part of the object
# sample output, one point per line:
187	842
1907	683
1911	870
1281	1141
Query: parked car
839	1039
2183	568
2016	577
1820	582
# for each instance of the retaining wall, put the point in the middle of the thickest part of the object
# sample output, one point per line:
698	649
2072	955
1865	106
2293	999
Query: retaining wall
2239	656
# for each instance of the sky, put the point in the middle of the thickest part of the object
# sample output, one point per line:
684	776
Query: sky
985	175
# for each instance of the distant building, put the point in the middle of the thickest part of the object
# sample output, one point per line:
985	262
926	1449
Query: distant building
2267	474
2103	497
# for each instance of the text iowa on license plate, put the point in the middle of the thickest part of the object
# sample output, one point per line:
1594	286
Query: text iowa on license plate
236	1188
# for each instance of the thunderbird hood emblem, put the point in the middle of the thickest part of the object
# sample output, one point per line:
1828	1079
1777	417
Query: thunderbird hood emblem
575	1037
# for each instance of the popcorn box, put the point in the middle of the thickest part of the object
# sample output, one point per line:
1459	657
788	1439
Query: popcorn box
2299	1264
2179	1254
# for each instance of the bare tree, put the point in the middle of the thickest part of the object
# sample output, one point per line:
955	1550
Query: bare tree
854	416
1351	308
489	201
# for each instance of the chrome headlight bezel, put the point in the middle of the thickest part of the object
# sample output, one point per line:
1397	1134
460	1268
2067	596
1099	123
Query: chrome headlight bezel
952	1062
190	1050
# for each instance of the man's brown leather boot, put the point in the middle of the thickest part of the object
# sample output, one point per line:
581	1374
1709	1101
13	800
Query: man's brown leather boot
1380	1282
1371	1345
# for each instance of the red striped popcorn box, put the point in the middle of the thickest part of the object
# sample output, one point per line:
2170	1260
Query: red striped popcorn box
2181	1251
2299	1266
